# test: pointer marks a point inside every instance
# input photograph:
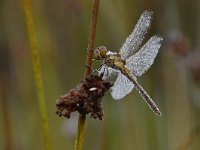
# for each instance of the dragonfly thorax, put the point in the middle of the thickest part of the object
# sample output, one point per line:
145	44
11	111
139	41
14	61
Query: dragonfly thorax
114	61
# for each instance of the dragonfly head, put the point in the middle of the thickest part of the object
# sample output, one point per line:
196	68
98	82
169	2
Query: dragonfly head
100	52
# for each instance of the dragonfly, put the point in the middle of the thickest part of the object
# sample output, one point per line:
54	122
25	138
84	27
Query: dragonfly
133	60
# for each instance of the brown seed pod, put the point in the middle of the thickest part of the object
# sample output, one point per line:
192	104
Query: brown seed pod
86	99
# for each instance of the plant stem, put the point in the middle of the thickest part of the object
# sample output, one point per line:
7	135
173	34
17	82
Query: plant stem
37	72
91	38
4	80
82	117
80	132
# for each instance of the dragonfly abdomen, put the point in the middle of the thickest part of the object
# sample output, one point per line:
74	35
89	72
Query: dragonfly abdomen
142	92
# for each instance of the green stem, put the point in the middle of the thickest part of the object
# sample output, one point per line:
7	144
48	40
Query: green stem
80	132
82	118
37	72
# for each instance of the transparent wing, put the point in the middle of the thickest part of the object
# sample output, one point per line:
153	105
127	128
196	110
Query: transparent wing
135	39
144	58
121	87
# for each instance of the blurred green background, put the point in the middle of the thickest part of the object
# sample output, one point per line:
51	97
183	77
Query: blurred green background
62	30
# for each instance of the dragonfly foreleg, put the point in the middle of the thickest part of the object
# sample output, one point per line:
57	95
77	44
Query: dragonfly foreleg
103	71
100	71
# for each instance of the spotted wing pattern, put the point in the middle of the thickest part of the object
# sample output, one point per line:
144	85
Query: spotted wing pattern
134	40
140	62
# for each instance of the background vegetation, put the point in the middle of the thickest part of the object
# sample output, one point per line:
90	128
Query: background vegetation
62	29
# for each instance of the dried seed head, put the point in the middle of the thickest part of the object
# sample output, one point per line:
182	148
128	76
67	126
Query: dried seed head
86	99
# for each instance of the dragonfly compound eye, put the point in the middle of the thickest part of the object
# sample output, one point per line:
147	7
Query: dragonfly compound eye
100	52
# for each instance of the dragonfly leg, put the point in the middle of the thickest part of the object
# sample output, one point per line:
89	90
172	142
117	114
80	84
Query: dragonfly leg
100	67
102	73
106	70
